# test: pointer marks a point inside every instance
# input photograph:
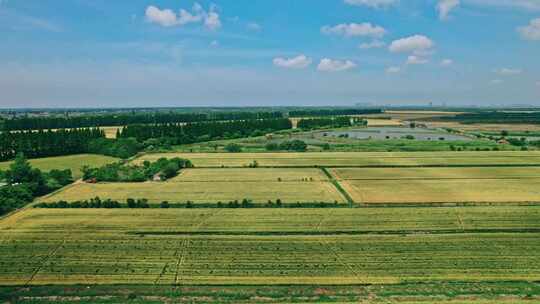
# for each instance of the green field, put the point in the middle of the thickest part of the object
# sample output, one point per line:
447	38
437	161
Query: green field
73	162
351	159
212	186
269	247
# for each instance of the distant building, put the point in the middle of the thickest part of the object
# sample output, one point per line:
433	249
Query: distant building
157	177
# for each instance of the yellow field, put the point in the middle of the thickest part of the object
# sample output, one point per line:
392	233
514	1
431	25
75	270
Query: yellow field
330	159
374	122
249	174
212	186
440	185
73	162
436	173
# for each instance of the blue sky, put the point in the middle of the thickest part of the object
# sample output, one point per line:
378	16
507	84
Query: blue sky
99	53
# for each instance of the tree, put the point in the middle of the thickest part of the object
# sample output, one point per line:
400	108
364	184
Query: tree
131	203
233	148
164	204
20	170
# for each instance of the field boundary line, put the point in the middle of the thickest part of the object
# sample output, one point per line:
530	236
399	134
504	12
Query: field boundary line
372	166
185	246
333	250
338	186
457	230
43	261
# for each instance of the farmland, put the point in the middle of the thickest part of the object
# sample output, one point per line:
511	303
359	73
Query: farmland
296	246
72	162
353	159
212	186
441	185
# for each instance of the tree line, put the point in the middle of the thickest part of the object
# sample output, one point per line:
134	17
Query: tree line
333	112
163	169
42	143
334	122
97	203
204	131
89	121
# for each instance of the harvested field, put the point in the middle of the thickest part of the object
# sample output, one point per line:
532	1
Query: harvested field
250	174
41	246
219	186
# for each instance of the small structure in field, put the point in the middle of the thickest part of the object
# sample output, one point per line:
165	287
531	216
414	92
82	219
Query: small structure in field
157	177
503	142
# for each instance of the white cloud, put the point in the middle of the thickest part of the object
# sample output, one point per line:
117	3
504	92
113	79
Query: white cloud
329	65
393	70
355	29
444	7
447	62
214	43
508	71
298	62
253	26
186	17
531	31
372	3
417	44
164	17
212	21
168	18
375	44
496	81
416	60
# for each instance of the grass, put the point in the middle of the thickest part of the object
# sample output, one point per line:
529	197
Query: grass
73	162
215	185
441	185
40	246
332	159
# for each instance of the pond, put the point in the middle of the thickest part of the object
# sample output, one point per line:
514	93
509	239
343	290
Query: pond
396	133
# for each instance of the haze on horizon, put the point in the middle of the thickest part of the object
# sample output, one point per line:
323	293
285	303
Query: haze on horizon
144	53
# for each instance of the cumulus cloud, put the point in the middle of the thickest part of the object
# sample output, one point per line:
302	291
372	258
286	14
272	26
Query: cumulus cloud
298	62
444	7
417	44
411	60
372	45
446	62
365	29
393	70
372	3
508	71
164	17
531	31
330	65
168	18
